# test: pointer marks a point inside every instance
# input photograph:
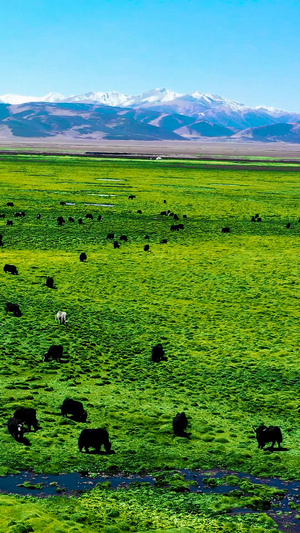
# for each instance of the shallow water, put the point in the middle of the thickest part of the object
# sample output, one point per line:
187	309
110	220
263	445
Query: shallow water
69	483
228	184
65	484
108	179
101	205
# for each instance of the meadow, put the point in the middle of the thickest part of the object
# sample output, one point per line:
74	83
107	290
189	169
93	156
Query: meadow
224	306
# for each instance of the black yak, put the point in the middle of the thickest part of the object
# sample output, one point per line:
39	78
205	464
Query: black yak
74	408
266	434
94	438
180	423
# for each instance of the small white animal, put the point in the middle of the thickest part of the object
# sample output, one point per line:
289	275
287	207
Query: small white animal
61	316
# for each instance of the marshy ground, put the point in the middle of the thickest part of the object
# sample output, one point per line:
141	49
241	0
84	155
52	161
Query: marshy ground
224	306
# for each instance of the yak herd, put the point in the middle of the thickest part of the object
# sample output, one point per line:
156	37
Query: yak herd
89	438
95	438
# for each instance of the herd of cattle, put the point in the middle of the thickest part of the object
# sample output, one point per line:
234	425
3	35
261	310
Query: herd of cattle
95	438
89	438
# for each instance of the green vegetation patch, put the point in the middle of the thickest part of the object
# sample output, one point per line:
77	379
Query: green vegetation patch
138	509
224	306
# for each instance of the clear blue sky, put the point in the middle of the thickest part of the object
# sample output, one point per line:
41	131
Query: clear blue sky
244	50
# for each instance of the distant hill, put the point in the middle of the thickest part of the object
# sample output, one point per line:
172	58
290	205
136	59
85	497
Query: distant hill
273	133
92	121
209	108
157	115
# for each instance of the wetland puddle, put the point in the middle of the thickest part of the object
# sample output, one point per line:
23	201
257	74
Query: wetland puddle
67	484
108	179
102	205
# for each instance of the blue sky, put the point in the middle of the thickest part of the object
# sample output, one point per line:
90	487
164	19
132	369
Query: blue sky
244	50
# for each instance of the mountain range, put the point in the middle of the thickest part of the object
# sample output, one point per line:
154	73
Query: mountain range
159	114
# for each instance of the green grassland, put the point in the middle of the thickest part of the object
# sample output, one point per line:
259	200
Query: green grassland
139	508
224	306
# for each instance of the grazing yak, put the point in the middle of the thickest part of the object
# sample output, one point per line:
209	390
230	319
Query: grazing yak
61	317
39	216
13	308
71	219
116	244
225	230
146	248
131	197
50	283
62	203
180	423
89	215
266	434
164	241
9	223
158	353
139	211
80	221
60	221
124	238
176	227
74	408
94	438
99	218
110	236
55	353
2	215
147	237
1	243
28	417
12	269
83	257
10	204
15	428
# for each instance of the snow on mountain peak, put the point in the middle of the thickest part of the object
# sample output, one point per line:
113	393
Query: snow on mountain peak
195	104
112	98
156	96
53	97
17	99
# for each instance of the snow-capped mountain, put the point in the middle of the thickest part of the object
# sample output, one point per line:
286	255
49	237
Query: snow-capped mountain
112	98
202	107
153	98
17	99
156	114
193	104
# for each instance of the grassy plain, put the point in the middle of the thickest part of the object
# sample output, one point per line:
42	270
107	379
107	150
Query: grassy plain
224	306
139	508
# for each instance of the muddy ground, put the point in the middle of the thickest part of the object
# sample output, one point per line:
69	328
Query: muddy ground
189	149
